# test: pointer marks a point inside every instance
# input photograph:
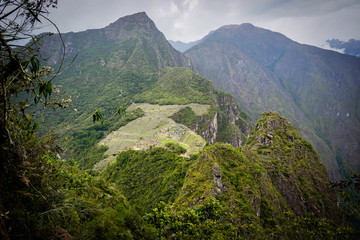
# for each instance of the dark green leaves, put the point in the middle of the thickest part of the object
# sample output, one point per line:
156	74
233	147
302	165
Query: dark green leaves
45	89
97	116
34	65
121	110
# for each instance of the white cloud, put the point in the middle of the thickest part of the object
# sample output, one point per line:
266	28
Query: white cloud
191	3
174	8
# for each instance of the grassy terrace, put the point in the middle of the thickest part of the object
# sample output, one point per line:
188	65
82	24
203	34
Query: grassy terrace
154	129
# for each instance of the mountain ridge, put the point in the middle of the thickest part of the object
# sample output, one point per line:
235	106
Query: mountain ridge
267	71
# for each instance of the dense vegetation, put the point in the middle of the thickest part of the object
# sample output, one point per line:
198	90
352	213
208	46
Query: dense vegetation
179	86
224	192
150	176
82	144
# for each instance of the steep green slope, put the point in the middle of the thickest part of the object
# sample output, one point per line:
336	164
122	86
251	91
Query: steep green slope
148	176
131	61
317	90
179	86
277	175
293	165
274	187
112	65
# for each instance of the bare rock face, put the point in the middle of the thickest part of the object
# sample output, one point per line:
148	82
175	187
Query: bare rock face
228	123
219	186
210	132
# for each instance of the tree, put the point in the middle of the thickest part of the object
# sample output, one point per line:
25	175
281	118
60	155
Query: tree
20	72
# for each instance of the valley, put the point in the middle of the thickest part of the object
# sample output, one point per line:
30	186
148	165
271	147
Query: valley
240	137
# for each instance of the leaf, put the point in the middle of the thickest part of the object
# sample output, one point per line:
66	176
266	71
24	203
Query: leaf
121	110
47	89
35	65
97	116
25	180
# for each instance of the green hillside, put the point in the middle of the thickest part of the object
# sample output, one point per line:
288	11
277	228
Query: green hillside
318	90
183	161
274	186
128	62
179	86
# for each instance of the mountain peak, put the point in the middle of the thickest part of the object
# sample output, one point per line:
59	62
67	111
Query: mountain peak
140	18
244	26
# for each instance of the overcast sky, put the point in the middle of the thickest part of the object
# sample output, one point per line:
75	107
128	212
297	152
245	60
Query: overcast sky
305	21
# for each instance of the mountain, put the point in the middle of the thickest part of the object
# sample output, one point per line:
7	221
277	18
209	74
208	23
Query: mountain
130	62
277	175
351	47
316	89
165	168
182	46
275	165
112	64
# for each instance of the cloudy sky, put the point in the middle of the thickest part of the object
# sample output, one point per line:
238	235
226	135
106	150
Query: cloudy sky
305	21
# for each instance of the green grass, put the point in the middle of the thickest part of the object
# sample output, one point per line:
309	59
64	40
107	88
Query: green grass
153	129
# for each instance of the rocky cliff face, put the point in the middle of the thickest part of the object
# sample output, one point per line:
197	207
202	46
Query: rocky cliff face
318	90
225	122
209	134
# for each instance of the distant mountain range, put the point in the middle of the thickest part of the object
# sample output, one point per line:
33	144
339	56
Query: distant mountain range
318	90
182	46
351	47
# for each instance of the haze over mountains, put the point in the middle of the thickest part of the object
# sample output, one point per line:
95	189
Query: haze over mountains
181	46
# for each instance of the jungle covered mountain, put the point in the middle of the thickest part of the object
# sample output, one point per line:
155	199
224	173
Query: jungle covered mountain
127	62
318	90
275	186
112	64
183	160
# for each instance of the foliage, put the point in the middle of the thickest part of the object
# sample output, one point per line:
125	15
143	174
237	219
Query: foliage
185	116
149	176
175	147
178	86
82	144
208	220
211	220
61	199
